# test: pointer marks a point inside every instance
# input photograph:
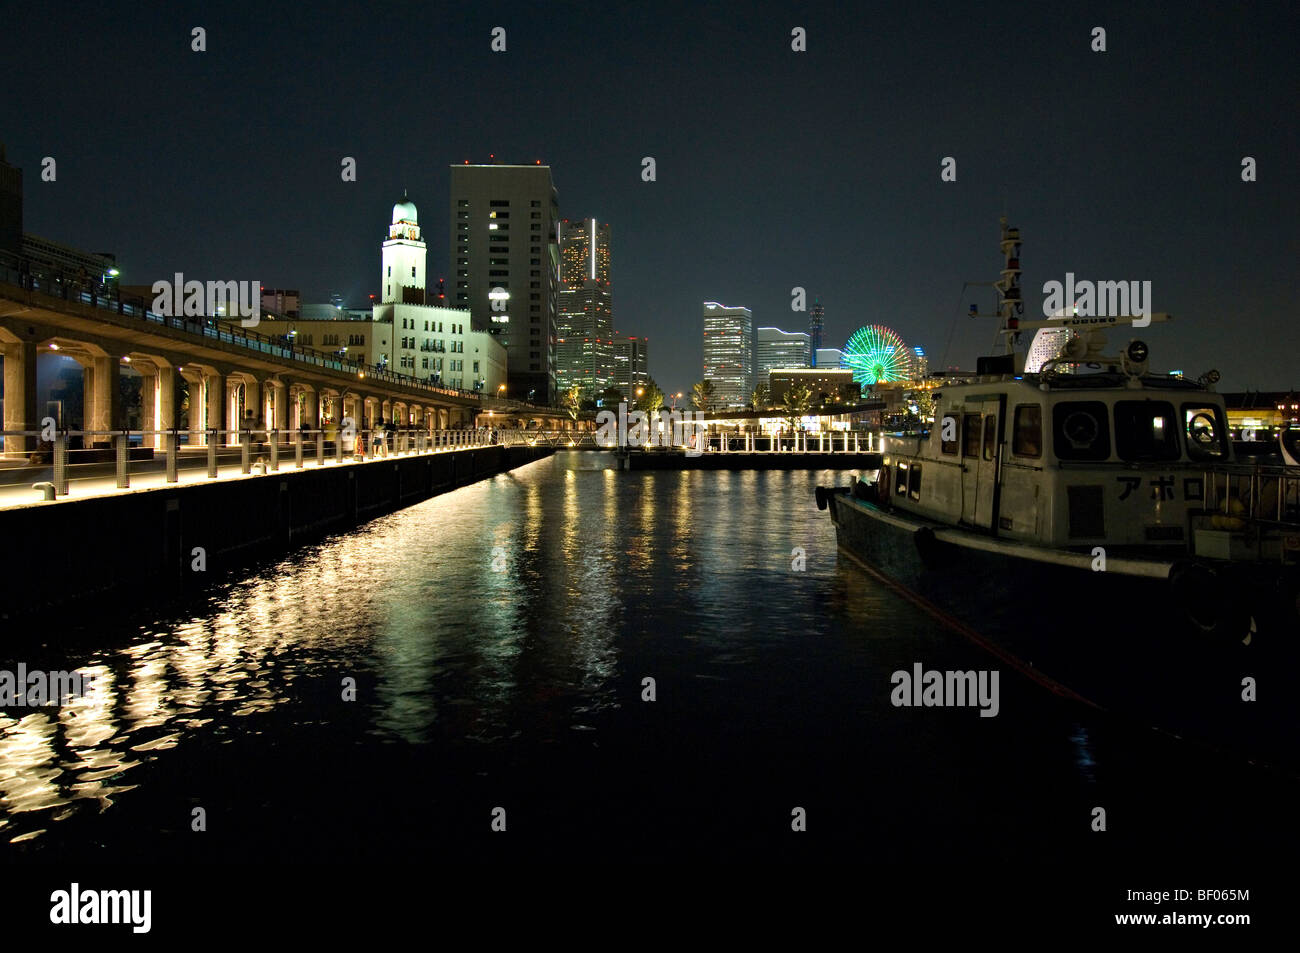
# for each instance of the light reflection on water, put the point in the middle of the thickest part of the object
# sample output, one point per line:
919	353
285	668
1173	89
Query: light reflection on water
513	619
442	646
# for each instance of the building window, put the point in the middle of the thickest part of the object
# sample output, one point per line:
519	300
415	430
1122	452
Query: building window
499	203
412	271
462	203
535	204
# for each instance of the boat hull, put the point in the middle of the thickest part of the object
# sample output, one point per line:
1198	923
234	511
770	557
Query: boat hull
1113	640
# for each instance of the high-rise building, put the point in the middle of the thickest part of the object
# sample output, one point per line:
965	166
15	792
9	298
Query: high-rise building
729	353
831	358
505	258
584	347
920	364
816	325
631	363
777	348
1047	345
11	205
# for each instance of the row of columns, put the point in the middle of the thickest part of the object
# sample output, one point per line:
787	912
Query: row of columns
215	401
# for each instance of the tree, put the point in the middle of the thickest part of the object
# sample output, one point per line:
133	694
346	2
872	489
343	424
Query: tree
651	399
925	405
760	398
703	394
794	403
610	397
572	401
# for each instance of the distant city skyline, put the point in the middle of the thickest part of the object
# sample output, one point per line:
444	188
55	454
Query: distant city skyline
731	212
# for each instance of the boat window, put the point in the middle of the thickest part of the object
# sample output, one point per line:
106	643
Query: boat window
914	482
1082	430
1028	438
948	427
1205	432
970	435
990	436
1146	430
900	485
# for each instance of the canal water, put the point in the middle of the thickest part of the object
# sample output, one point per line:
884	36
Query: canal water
382	693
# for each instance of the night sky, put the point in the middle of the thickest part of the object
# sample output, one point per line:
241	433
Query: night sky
775	168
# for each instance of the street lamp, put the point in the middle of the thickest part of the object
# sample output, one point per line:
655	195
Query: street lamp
639	392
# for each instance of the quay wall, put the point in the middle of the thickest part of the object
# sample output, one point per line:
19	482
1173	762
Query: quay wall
145	540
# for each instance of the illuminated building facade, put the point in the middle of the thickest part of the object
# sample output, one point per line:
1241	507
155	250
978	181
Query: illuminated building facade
584	347
631	363
729	353
777	348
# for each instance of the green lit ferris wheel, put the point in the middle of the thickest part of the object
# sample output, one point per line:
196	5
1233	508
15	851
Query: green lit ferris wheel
875	354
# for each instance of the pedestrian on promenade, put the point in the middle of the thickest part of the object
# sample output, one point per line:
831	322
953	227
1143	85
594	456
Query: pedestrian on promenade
377	437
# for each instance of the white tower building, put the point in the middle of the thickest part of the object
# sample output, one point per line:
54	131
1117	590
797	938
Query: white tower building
403	257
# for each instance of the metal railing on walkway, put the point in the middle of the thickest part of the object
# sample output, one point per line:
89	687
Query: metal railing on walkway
799	441
107	461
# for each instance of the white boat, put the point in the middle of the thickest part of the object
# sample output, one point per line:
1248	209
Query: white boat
1088	520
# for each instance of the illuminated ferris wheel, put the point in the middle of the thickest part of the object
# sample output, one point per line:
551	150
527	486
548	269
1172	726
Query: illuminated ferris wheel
876	353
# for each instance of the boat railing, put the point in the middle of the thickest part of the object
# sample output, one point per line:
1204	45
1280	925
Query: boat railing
1261	494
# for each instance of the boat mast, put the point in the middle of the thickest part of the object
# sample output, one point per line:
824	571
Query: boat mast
1011	306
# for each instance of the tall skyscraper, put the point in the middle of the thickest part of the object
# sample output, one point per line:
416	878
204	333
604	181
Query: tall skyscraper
816	325
584	349
631	363
777	348
729	353
505	257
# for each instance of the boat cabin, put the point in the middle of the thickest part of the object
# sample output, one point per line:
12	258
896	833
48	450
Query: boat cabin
1063	460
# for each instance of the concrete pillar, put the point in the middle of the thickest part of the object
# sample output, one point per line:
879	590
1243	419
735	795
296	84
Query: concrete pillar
21	412
168	407
280	413
148	405
107	395
217	402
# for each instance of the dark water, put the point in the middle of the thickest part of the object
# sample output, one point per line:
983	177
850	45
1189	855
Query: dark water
498	637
